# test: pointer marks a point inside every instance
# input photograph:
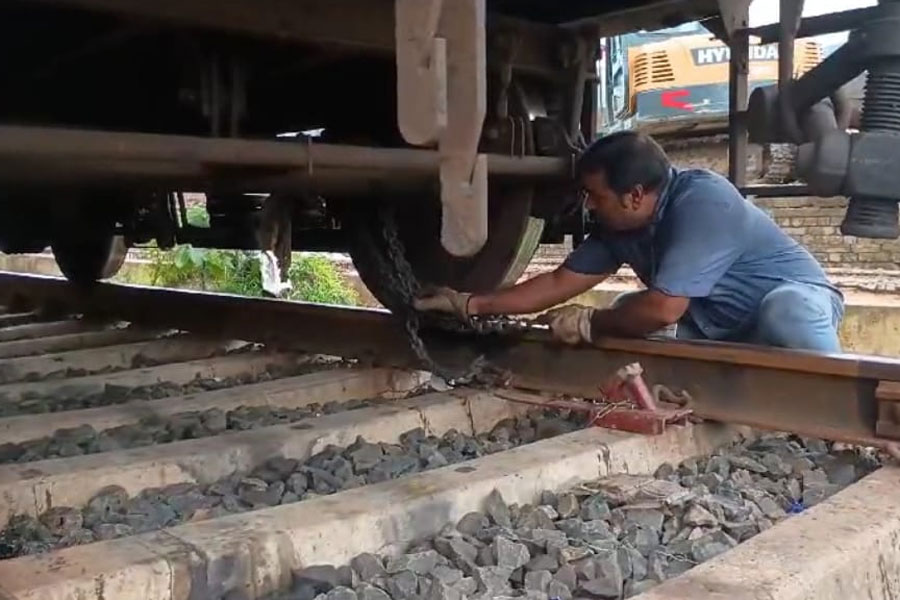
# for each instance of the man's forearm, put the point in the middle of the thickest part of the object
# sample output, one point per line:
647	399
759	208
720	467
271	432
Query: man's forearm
536	294
530	296
640	315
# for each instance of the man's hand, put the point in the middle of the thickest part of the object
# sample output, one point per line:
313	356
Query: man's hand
569	324
445	300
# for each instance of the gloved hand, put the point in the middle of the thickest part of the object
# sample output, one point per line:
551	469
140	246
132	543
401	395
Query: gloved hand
569	324
445	300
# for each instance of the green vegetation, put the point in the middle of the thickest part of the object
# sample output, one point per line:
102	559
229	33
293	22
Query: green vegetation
197	216
313	278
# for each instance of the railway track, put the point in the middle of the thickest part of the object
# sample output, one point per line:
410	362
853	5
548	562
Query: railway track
166	445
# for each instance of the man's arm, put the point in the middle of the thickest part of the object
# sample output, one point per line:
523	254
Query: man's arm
639	315
534	295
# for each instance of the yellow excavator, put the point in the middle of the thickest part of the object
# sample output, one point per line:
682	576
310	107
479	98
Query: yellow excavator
674	82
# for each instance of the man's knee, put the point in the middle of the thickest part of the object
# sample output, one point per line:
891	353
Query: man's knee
798	316
669	331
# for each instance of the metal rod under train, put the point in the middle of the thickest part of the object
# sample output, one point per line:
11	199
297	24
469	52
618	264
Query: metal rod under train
27	154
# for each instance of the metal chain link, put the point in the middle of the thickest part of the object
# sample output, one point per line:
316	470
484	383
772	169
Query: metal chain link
403	281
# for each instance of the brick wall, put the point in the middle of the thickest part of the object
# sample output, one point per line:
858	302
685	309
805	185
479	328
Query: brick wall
815	222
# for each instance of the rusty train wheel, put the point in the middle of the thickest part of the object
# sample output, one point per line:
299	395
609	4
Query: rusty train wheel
84	261
513	237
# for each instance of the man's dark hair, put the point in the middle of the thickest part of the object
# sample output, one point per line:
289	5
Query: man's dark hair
627	159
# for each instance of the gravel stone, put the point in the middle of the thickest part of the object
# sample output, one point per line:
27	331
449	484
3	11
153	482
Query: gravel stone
719	465
766	504
540	540
341	593
697	516
816	446
542	562
711	480
746	463
741	531
472	523
711	545
595	507
531	517
62	521
817	492
688	468
567	506
392	467
370	592
841	472
368	566
498	510
403	585
486	557
447	575
559	590
492	581
607	581
510	554
420	563
538	581
321	578
665	471
105	505
649	518
642	539
460	552
364	455
637	562
572	554
580	530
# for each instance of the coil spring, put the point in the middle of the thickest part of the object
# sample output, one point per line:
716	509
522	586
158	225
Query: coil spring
881	104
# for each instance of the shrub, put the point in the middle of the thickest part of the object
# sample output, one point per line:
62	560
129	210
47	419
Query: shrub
316	279
313	278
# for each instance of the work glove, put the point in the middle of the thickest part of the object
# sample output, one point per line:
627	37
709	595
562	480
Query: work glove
569	324
445	300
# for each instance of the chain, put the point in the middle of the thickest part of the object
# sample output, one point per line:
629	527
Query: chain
403	281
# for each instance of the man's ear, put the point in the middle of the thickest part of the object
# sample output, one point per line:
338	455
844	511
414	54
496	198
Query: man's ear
635	196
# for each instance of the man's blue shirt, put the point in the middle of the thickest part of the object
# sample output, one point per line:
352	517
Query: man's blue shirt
707	243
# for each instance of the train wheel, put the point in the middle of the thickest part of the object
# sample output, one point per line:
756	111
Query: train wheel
91	258
513	237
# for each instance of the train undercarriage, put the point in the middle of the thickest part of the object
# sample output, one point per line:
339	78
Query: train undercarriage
434	134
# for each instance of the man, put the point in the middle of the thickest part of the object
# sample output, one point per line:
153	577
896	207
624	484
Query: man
715	266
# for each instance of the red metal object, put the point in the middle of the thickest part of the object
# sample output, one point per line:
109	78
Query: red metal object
625	404
634	407
671	99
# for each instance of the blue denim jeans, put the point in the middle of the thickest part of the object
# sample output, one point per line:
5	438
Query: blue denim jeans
799	316
792	315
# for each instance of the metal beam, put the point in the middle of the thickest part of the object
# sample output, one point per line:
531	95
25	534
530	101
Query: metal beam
736	20
831	396
822	24
150	156
319	22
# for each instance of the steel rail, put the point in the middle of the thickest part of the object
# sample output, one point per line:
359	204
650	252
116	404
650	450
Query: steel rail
828	396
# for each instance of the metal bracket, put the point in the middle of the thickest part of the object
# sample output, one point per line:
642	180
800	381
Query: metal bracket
627	404
734	15
442	98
